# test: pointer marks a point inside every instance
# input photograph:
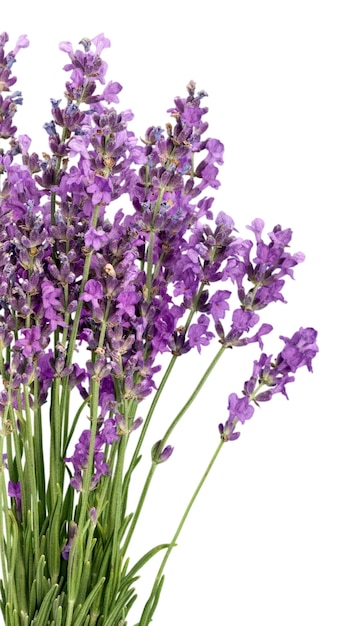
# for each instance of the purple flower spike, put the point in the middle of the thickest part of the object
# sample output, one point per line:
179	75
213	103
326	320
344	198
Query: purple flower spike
275	375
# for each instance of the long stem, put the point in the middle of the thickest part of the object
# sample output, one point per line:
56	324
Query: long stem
55	437
149	606
163	442
157	397
115	520
87	477
115	515
30	460
77	557
193	395
5	542
38	451
80	547
147	421
60	412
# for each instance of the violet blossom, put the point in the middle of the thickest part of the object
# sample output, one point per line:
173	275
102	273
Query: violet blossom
113	264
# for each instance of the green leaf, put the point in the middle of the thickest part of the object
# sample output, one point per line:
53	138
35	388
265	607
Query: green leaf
41	580
11	616
121	608
144	559
3	596
24	619
156	597
83	586
151	604
58	617
41	619
32	599
124	525
17	570
43	542
75	565
57	608
82	611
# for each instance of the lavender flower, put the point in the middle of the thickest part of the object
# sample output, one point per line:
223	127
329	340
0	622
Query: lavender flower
93	292
198	334
30	342
275	374
239	411
112	260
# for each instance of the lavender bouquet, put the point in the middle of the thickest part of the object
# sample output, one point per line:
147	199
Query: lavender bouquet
112	261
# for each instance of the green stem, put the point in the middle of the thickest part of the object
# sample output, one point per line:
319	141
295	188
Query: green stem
73	426
140	504
157	397
162	445
12	598
30	460
115	522
76	560
192	397
194	306
87	476
38	450
55	438
71	340
63	413
5	542
75	573
150	607
147	422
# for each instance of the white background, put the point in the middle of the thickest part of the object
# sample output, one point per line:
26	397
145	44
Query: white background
267	540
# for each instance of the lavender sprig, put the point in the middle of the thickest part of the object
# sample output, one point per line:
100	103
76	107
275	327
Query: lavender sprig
110	257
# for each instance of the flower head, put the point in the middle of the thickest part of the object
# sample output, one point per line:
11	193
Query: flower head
111	256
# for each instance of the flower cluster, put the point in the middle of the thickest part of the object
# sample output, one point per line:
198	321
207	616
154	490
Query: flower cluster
109	248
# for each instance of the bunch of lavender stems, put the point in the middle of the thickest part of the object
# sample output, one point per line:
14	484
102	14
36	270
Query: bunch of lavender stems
110	250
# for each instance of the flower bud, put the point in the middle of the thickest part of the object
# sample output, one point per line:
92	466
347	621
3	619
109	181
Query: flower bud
158	455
